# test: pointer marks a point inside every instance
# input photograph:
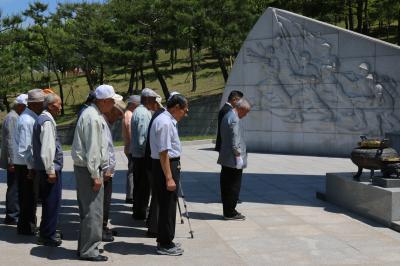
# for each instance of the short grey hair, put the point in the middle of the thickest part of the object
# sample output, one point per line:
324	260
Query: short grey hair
49	99
243	104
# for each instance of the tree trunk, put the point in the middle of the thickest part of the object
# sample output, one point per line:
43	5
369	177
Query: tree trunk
101	81
142	76
351	19
222	66
137	82
346	22
193	67
131	80
89	78
171	59
159	75
61	89
366	18
360	4
6	103
398	27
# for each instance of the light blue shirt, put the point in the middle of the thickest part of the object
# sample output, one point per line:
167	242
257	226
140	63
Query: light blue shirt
110	166
164	136
139	124
23	138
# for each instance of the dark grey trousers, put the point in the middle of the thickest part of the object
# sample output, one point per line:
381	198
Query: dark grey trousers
90	212
12	204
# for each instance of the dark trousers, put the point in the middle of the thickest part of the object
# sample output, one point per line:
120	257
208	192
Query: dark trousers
50	193
152	218
141	188
12	205
129	178
230	181
27	196
107	201
166	201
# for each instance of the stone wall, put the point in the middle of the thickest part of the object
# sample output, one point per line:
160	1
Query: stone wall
315	87
201	121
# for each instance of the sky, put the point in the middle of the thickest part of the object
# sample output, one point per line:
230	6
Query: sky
11	7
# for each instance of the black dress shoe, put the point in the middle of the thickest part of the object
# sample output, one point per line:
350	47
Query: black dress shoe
151	234
98	258
107	238
49	242
129	201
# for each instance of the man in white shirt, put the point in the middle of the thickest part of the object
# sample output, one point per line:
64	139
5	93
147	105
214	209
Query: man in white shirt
28	187
165	149
7	156
89	153
48	164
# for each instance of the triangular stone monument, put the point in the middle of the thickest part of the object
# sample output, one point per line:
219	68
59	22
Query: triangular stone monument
315	88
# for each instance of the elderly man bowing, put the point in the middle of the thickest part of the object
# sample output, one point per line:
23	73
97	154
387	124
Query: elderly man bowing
109	169
140	122
23	163
7	157
232	158
165	149
89	153
48	163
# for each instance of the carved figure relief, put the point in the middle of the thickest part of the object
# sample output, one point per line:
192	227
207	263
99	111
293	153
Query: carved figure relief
303	81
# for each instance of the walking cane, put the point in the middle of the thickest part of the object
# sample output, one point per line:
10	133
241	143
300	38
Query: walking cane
186	210
180	210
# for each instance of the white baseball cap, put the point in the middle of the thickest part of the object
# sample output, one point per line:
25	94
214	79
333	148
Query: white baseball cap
104	92
21	99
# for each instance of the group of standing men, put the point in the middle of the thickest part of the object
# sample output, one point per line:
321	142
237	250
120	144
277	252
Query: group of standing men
32	155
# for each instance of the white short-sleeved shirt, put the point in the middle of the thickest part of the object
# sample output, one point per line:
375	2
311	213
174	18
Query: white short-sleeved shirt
164	136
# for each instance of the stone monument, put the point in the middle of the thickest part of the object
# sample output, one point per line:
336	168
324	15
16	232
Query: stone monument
315	88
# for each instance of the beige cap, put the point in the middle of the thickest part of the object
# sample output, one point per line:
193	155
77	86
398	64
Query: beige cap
35	96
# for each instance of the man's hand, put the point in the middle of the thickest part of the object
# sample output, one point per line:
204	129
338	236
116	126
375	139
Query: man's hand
11	168
171	186
239	162
51	178
31	173
107	176
96	184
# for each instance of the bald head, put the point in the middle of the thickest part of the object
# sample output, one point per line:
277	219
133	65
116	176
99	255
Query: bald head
52	103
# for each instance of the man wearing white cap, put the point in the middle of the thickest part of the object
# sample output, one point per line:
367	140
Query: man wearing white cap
28	187
89	153
140	121
7	155
111	117
133	102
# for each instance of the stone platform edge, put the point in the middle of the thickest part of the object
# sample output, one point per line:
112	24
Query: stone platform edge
376	203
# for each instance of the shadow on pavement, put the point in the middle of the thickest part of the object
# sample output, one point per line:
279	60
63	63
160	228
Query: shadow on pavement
9	235
54	253
124	248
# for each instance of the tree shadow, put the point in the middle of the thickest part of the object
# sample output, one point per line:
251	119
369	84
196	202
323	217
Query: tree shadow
124	248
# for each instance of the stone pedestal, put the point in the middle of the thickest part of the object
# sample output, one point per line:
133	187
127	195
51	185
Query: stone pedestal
378	203
386	182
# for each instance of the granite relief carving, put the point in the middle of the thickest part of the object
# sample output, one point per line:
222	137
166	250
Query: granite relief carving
314	78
